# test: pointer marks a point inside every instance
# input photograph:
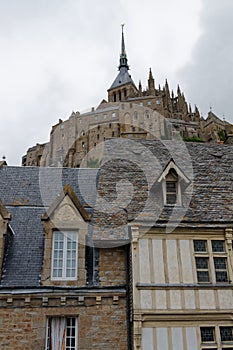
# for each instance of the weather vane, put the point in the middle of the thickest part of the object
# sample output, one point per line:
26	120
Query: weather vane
123	26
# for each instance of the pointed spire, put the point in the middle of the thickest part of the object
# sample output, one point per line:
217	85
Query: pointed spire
140	85
178	90
150	75
123	56
151	83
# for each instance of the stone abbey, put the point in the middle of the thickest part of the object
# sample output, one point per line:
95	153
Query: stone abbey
131	111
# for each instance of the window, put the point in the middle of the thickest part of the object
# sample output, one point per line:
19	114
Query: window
211	261
171	188
207	335
64	257
216	338
226	334
147	114
62	333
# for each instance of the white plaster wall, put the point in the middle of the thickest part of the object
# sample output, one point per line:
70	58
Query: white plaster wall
144	265
162	339
191	337
177	339
146	299
175	299
189	299
160	299
225	298
180	338
206	299
172	262
158	261
186	262
147	339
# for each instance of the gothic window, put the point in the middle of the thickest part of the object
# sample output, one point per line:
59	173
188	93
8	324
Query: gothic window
64	255
211	261
62	333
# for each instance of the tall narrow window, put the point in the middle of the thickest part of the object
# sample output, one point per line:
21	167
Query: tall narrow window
171	188
62	333
65	254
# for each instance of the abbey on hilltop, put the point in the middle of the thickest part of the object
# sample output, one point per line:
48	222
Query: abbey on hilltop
131	112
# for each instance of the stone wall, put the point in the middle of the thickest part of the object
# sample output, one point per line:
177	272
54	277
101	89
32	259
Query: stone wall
102	321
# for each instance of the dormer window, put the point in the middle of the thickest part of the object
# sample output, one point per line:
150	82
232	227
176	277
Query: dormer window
171	179
171	188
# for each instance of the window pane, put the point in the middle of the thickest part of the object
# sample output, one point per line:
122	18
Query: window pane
171	198
58	240
220	263
202	263
221	276
207	334
218	246
199	246
171	186
226	333
203	276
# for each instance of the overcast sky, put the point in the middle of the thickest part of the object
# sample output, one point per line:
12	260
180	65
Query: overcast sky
59	56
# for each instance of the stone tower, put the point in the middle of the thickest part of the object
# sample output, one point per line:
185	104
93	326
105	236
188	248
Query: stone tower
123	86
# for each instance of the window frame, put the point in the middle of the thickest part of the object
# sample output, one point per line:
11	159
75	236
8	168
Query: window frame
64	277
211	257
172	177
47	338
218	343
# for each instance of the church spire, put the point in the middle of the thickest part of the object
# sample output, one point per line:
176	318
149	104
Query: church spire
123	56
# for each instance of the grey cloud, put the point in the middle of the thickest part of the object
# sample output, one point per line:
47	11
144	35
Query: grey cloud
208	78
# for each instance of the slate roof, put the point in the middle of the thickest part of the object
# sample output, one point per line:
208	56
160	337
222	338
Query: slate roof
27	192
207	200
122	78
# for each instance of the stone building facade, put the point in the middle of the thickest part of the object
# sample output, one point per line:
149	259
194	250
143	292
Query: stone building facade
130	111
59	289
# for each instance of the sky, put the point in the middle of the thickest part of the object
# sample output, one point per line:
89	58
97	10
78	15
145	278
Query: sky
61	56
